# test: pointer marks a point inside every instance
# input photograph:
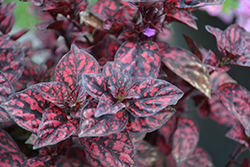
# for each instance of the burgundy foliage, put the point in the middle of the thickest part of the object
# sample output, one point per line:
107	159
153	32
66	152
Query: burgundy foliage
112	91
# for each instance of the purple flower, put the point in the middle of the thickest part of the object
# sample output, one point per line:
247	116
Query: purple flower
149	32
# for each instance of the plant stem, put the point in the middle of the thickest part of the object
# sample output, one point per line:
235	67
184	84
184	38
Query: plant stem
237	151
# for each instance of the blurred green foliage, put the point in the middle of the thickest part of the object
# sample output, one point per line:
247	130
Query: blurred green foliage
23	19
229	4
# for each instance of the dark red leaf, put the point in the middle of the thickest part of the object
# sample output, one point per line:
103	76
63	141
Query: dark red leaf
7	8
146	154
112	150
19	34
182	17
26	108
55	126
155	95
237	133
105	10
13	159
4	117
7	144
7	24
105	125
109	66
10	154
233	44
237	100
54	92
187	66
11	63
95	84
5	42
151	123
36	163
168	129
73	65
219	113
6	88
198	158
142	60
193	47
185	140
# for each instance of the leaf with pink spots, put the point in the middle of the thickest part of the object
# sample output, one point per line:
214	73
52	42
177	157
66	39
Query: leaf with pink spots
112	150
73	65
233	44
10	154
185	140
199	158
54	92
151	123
155	95
95	84
236	99
182	17
11	63
141	60
237	133
91	126
26	108
55	126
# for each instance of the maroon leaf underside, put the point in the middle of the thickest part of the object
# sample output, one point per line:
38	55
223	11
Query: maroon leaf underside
155	95
111	150
6	88
95	84
108	105
193	47
182	147
55	92
198	158
74	65
151	123
26	108
10	154
11	63
91	126
236	99
55	127
146	154
237	133
183	17
141	60
187	66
